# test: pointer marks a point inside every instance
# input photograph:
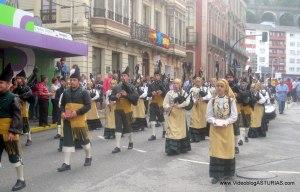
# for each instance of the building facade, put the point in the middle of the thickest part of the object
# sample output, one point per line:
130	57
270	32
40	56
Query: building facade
141	34
219	24
280	54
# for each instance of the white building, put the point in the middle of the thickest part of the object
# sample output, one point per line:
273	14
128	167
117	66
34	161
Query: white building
293	52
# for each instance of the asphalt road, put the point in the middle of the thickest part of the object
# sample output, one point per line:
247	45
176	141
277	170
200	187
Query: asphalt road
147	168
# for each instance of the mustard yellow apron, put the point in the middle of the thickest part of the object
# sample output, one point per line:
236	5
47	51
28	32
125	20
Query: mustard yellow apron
198	115
24	107
221	141
80	120
176	124
5	124
123	104
110	116
257	115
93	112
138	111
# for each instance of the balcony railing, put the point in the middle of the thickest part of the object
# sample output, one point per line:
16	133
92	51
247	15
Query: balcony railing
140	32
48	16
99	12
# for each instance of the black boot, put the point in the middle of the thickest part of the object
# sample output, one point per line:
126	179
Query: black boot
28	142
87	162
215	180
64	167
60	144
116	150
19	185
57	136
130	145
152	138
246	139
164	134
240	142
237	150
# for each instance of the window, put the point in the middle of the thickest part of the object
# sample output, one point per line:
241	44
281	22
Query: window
293	52
262	50
292	35
298	44
99	8
48	11
298	61
157	20
262	59
298	52
146	15
111	6
298	69
292	60
118	10
292	44
291	69
125	12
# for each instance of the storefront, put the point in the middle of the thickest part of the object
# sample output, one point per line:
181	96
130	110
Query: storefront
26	45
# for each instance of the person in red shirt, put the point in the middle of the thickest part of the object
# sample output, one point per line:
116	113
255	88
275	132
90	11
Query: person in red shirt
290	86
43	95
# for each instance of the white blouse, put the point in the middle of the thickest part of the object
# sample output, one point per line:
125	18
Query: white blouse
221	101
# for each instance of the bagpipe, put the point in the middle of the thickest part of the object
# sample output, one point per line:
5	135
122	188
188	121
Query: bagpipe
131	95
181	99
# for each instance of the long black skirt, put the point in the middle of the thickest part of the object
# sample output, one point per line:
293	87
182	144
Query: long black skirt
220	168
175	147
139	124
255	132
94	124
109	133
197	135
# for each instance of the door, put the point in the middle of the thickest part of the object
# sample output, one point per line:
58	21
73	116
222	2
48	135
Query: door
131	65
116	65
97	58
146	64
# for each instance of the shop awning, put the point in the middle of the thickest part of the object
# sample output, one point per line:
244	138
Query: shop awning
57	46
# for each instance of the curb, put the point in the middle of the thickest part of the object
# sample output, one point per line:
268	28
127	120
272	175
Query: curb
41	129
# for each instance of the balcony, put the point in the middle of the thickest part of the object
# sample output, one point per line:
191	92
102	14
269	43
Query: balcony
217	42
107	22
48	16
140	32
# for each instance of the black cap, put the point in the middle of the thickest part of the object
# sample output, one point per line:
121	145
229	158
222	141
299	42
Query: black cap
75	72
21	74
126	71
7	74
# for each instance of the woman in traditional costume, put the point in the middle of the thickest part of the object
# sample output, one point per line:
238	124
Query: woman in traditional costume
139	111
110	127
177	140
198	124
258	113
93	120
221	114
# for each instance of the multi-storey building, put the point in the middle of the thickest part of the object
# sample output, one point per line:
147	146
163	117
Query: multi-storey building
120	33
293	52
280	53
218	25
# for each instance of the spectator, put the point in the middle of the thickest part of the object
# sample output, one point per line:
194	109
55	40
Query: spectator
281	95
65	70
43	100
54	87
106	83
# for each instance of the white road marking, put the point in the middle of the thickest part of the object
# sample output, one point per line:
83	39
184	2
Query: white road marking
101	137
139	150
285	172
193	161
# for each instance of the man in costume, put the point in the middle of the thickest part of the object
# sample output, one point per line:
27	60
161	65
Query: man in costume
124	94
157	91
235	88
75	103
221	114
139	110
177	140
198	124
10	126
25	94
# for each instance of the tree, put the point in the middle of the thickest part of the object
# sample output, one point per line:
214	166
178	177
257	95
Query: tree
251	17
286	19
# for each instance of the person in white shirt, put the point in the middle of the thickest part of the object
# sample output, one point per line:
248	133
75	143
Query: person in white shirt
55	113
221	114
198	124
